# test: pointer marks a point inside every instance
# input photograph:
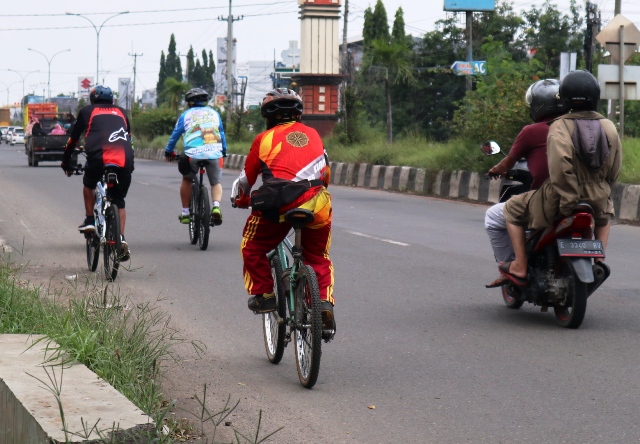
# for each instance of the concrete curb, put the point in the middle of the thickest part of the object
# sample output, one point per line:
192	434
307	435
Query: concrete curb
29	412
446	184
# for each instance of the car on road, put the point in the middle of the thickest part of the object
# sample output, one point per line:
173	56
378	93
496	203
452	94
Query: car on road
3	132
17	136
7	136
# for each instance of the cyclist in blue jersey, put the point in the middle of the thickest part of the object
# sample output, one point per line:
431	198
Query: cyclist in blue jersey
203	139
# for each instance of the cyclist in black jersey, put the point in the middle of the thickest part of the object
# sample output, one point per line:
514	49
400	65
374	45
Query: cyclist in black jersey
107	136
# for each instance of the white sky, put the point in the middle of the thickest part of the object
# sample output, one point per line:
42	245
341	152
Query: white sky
268	26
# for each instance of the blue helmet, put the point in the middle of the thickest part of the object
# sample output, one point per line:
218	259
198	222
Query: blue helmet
101	94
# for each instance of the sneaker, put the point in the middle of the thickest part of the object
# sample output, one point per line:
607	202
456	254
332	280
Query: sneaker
262	303
184	218
125	254
328	321
88	226
216	216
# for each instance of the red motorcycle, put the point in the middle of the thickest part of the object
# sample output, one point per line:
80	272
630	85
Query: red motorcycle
562	272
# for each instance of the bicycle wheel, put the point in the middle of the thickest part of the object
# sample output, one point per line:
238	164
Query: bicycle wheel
308	335
204	216
273	331
112	243
93	250
193	219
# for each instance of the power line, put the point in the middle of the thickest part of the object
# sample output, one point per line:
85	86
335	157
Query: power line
139	24
147	11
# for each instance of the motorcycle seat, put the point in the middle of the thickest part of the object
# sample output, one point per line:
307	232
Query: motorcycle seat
583	207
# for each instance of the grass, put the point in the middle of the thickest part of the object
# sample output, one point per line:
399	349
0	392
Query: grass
450	156
126	344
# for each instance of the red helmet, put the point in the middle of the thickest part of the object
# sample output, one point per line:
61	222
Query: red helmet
281	105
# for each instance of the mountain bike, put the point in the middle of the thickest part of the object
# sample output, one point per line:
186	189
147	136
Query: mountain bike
107	223
298	312
199	208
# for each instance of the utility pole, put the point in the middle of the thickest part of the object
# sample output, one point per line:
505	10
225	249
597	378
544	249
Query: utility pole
230	54
613	103
469	15
593	28
345	64
135	60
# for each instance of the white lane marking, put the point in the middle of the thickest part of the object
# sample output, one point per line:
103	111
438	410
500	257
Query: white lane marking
402	244
143	183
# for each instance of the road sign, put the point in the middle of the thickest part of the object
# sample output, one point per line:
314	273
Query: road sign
475	68
609	37
609	80
469	5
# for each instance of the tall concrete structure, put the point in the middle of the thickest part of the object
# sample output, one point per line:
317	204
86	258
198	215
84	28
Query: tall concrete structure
319	76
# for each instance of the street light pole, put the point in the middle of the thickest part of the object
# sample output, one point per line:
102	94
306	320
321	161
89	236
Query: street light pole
97	37
49	60
23	77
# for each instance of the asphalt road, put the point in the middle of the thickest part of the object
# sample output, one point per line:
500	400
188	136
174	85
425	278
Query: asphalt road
419	337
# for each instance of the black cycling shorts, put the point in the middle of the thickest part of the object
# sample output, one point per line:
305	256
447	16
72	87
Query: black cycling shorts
93	172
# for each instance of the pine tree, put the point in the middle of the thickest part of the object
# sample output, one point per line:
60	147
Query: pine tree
398	34
212	65
190	64
162	76
173	66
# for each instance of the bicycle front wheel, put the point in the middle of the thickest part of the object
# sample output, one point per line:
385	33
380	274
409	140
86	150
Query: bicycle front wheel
193	217
93	250
204	214
308	334
274	331
112	243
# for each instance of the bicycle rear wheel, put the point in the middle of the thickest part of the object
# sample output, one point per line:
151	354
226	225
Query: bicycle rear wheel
112	243
274	332
308	334
204	216
193	217
93	250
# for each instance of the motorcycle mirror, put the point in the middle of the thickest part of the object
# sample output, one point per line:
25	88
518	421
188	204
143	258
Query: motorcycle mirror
490	148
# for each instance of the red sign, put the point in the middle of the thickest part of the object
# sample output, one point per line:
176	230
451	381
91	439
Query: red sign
86	83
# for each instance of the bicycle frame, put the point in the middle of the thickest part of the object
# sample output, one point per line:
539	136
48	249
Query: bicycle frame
285	250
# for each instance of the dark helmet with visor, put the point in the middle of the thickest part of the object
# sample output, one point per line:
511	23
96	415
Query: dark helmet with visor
543	98
281	105
196	96
580	91
101	94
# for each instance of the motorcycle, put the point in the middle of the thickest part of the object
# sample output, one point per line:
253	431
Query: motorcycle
561	271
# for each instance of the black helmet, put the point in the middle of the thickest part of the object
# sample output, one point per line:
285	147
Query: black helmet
543	99
196	96
281	105
101	94
580	91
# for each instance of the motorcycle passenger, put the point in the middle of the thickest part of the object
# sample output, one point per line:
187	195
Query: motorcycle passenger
204	139
584	155
543	100
107	136
294	152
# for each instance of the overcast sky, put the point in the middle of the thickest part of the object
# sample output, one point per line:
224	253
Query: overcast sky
267	26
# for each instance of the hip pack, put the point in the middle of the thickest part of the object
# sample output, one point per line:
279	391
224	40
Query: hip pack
275	193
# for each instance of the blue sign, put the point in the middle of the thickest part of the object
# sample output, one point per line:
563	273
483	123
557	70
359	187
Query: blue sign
473	68
469	5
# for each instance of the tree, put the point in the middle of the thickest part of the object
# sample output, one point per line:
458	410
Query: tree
173	92
190	64
376	26
173	67
162	76
391	60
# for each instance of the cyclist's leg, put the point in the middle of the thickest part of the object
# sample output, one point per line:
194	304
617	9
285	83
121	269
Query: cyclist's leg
214	174
260	236
188	171
119	193
92	174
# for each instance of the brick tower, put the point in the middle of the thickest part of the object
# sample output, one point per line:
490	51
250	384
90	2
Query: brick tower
319	76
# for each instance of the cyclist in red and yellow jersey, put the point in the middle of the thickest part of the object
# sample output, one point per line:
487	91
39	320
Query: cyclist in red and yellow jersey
293	152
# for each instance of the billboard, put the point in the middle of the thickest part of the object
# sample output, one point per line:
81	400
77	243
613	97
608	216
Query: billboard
125	93
469	5
84	86
220	76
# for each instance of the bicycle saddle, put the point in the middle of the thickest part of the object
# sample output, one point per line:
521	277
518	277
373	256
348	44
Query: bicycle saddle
299	216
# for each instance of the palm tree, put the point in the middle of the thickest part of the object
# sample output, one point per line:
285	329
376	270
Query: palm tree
393	60
173	92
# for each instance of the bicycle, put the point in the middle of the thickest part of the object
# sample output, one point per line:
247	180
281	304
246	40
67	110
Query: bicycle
107	223
199	208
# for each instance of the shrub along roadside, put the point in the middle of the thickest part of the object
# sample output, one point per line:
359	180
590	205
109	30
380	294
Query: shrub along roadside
414	151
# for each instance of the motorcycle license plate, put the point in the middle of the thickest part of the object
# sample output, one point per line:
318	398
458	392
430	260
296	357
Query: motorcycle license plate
580	248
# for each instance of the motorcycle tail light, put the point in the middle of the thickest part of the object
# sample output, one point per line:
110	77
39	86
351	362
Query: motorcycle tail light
581	225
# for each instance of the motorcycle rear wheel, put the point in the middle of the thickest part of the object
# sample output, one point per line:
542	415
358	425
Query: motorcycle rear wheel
510	295
571	313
